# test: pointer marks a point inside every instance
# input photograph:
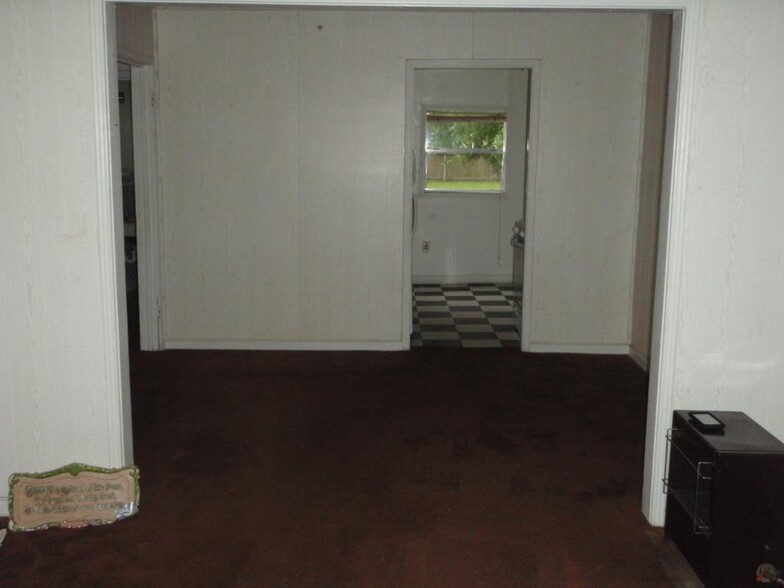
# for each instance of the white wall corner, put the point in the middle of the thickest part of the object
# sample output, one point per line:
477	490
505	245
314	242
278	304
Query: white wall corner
638	186
639	358
110	233
581	348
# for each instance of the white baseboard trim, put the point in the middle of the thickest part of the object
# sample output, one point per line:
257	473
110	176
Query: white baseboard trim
3	507
285	345
502	279
639	358
583	348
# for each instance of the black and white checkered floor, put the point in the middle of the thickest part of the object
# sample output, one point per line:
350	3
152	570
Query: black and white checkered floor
472	315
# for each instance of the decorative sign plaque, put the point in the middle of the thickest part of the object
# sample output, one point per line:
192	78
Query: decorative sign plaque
75	495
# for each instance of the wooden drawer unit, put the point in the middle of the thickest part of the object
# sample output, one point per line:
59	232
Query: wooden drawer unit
725	504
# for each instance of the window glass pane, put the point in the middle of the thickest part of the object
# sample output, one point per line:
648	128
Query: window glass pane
465	151
460	173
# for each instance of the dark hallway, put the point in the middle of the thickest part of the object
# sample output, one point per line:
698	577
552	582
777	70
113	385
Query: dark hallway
435	467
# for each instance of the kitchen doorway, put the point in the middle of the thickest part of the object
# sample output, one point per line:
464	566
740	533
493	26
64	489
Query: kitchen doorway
470	138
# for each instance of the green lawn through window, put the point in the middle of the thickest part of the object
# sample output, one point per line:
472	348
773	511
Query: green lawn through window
464	186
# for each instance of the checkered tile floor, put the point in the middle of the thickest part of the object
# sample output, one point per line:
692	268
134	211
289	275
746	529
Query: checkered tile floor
473	315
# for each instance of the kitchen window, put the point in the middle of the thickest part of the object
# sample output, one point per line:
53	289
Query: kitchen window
465	152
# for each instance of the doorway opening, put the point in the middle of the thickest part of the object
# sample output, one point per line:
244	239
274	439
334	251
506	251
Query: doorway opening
140	204
470	142
125	102
407	245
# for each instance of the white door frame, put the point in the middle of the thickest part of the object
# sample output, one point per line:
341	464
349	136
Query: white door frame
664	344
148	211
532	129
111	233
669	262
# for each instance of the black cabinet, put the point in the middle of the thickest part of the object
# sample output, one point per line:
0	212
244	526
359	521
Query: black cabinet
725	504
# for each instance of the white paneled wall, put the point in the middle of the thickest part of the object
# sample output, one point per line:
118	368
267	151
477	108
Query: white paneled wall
731	310
282	145
352	130
593	67
58	396
228	165
281	141
728	315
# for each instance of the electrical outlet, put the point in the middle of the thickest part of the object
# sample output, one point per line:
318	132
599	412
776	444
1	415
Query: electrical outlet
425	246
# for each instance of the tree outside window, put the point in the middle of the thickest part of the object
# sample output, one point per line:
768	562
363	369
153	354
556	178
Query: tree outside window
465	151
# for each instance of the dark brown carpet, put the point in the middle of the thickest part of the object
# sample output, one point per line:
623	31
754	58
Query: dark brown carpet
431	468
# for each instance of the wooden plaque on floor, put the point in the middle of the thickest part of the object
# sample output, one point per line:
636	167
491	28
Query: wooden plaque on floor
75	495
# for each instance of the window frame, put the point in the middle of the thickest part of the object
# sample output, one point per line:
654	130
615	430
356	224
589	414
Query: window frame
466	115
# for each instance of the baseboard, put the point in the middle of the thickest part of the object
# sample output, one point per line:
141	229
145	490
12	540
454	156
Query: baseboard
500	279
587	348
639	358
3	507
219	344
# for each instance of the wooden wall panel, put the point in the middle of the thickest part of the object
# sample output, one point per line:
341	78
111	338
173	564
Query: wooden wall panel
228	163
301	114
730	312
593	67
352	120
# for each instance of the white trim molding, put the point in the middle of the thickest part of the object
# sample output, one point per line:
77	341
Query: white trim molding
4	506
114	330
204	344
458	4
582	348
148	209
498	279
526	306
639	358
669	271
